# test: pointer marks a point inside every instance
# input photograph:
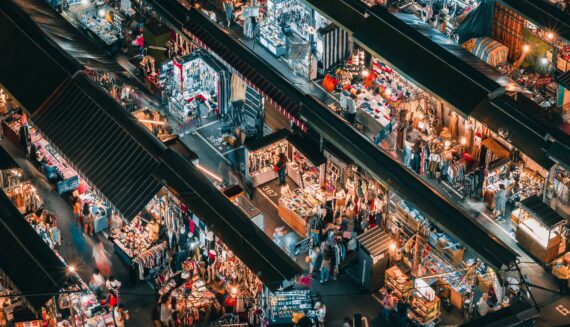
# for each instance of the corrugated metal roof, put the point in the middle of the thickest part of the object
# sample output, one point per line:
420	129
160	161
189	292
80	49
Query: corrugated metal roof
90	135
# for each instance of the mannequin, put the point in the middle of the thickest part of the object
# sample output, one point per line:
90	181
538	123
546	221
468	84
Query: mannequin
350	186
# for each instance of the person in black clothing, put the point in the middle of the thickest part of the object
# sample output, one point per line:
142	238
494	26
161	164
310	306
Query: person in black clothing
403	307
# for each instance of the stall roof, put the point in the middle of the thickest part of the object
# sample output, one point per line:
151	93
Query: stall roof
467	57
261	142
542	14
66	36
444	214
31	68
309	148
560	154
375	241
119	155
412	54
542	211
6	161
254	248
26	259
500	115
103	142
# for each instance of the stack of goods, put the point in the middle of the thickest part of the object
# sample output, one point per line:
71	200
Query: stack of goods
310	173
133	239
102	28
46	153
284	304
264	160
298	202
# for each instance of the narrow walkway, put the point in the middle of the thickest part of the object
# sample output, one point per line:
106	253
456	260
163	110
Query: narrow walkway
77	250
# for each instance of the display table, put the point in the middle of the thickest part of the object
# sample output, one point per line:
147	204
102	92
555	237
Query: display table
292	219
283	304
398	281
263	177
372	125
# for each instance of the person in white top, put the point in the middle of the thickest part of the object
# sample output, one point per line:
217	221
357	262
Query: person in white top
120	315
350	186
97	282
112	283
321	313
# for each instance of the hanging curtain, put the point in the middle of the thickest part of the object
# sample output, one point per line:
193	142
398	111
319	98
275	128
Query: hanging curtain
238	88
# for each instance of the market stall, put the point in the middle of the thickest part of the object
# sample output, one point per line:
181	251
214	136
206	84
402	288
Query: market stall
541	230
283	306
238	197
195	80
99	19
374	253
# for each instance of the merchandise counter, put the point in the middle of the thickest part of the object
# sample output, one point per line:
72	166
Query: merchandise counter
282	305
295	209
541	230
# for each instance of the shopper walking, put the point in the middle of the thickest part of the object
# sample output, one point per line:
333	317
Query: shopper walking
87	220
101	259
281	168
314	256
325	267
77	211
97	282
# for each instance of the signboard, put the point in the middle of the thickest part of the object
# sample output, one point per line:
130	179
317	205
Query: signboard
67	185
303	246
543	81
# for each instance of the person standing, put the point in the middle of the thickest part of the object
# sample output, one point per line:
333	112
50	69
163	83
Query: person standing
325	267
113	298
113	283
321	313
388	306
87	220
314	256
77	210
97	282
351	109
120	315
166	313
229	9
281	168
500	201
403	307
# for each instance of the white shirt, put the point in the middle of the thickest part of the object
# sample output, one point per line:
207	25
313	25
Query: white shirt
114	284
98	280
119	320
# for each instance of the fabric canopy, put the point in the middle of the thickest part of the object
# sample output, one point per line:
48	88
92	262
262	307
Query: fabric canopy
478	23
26	259
490	51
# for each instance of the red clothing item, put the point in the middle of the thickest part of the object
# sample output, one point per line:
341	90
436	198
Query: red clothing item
113	300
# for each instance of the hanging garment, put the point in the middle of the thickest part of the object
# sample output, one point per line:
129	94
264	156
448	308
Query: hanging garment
453	126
